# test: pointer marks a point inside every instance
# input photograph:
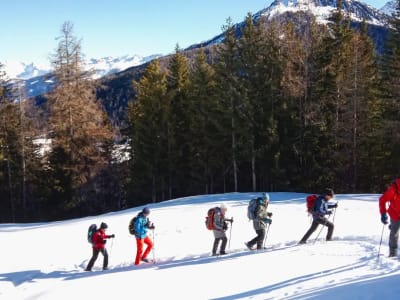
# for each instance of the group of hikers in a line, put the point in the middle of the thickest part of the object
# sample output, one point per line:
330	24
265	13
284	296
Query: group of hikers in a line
389	203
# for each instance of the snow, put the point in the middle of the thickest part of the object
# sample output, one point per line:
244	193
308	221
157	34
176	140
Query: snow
46	260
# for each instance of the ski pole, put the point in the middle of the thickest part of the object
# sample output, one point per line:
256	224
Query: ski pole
380	243
112	243
266	235
230	234
154	242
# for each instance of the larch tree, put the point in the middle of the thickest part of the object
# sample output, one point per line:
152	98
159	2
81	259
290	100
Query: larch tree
80	131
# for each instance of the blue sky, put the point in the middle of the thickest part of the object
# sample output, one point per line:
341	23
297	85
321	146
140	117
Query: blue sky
116	27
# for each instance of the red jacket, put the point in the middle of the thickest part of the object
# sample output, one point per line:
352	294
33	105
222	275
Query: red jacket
392	195
99	239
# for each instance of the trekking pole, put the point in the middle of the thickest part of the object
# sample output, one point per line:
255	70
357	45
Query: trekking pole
323	225
266	235
230	234
154	243
112	243
380	243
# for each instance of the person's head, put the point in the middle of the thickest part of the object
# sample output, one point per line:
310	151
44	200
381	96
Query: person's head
265	197
146	211
103	226
223	208
329	194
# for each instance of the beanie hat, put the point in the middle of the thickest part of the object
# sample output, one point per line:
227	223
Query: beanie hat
265	196
103	225
146	210
329	192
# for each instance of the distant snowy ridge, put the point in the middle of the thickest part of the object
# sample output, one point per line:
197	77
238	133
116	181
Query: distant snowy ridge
389	8
101	66
322	9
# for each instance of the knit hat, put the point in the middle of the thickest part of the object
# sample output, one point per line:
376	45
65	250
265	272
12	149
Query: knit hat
103	225
146	210
329	192
265	196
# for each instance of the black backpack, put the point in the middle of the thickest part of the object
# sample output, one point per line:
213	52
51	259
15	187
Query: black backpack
91	230
131	227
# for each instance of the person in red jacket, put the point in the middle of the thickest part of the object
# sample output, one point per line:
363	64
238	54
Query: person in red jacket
99	245
391	197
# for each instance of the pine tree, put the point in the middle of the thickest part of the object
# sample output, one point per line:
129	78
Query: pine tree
148	119
206	130
390	91
180	122
81	135
229	93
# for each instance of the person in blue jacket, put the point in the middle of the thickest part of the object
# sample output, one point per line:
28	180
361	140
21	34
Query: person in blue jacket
322	208
141	225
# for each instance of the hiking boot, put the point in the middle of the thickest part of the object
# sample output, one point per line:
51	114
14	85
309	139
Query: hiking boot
222	253
214	254
393	253
248	246
88	270
105	269
302	242
145	260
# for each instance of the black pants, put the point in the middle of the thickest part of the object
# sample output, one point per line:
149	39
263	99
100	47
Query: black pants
259	239
94	257
223	245
314	226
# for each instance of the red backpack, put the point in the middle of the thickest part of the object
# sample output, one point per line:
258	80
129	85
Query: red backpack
210	218
311	201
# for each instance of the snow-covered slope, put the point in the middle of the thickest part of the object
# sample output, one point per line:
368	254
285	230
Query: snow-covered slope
389	8
46	261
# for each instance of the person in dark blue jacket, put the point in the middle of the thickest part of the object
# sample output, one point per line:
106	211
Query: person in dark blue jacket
141	225
322	208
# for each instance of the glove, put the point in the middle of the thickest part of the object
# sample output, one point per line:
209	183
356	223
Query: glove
152	226
112	236
328	212
225	226
269	214
229	220
335	205
104	241
384	219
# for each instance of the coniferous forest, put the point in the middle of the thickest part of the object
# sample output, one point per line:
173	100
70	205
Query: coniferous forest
282	107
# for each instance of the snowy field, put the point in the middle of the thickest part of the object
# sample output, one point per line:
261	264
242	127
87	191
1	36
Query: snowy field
46	260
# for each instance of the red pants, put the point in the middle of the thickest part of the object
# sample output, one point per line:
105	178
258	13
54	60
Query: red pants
139	243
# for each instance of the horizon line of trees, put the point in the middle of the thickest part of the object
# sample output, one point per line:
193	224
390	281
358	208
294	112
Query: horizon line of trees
283	107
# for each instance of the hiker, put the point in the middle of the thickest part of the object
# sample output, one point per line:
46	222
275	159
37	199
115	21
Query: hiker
99	243
220	226
141	225
321	209
261	220
391	196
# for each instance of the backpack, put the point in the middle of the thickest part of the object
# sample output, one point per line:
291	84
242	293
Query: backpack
91	230
132	227
311	202
210	218
252	208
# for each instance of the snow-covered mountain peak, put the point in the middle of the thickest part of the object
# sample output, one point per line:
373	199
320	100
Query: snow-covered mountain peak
322	9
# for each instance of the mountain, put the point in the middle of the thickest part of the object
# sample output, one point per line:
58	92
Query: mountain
389	8
320	9
347	268
38	80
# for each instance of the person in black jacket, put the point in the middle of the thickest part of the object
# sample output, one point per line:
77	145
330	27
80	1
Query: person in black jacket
322	208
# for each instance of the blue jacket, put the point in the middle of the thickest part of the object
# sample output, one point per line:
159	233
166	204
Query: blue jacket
322	207
141	225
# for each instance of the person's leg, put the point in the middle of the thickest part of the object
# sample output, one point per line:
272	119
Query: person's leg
260	238
139	251
105	258
92	260
215	246
394	237
223	245
330	229
149	245
310	231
